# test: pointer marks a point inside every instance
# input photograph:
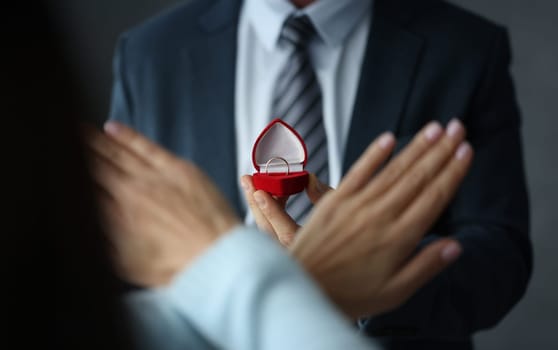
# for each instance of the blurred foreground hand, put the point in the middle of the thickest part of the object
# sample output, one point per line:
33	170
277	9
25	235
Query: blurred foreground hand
358	243
162	211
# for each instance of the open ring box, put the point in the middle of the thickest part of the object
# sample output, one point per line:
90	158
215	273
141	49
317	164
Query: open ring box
279	156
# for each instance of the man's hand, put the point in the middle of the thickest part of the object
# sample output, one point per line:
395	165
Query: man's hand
269	212
359	240
357	243
162	212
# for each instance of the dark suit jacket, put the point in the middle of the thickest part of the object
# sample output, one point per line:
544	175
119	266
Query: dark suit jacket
174	82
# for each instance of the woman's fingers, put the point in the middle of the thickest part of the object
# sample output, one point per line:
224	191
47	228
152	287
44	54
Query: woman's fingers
422	142
360	173
108	176
423	171
420	269
139	145
283	225
106	147
425	209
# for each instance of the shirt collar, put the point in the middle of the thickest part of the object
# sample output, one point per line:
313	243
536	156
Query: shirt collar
334	20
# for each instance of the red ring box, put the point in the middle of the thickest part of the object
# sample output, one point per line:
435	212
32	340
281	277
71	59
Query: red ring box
279	156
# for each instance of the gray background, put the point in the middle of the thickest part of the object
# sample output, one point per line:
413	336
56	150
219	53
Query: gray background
93	27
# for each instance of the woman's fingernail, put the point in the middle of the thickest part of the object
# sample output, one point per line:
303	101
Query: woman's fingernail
112	128
433	131
244	184
463	150
451	252
454	127
386	140
260	201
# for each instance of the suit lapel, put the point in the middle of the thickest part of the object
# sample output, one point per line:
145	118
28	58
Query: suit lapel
213	66
389	64
387	73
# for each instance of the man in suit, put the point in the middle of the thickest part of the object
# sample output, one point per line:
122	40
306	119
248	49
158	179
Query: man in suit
203	79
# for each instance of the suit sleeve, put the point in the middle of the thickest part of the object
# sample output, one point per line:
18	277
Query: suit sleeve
121	107
489	216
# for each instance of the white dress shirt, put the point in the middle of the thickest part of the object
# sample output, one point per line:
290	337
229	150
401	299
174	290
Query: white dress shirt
336	56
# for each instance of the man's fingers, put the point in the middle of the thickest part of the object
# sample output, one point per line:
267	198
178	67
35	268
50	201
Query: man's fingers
282	201
316	189
269	213
428	136
423	171
364	168
259	217
139	145
283	225
426	208
428	263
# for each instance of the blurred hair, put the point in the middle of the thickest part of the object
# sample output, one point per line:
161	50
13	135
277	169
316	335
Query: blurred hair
62	290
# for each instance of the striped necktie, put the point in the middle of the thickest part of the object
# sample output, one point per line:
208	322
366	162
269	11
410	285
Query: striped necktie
298	101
